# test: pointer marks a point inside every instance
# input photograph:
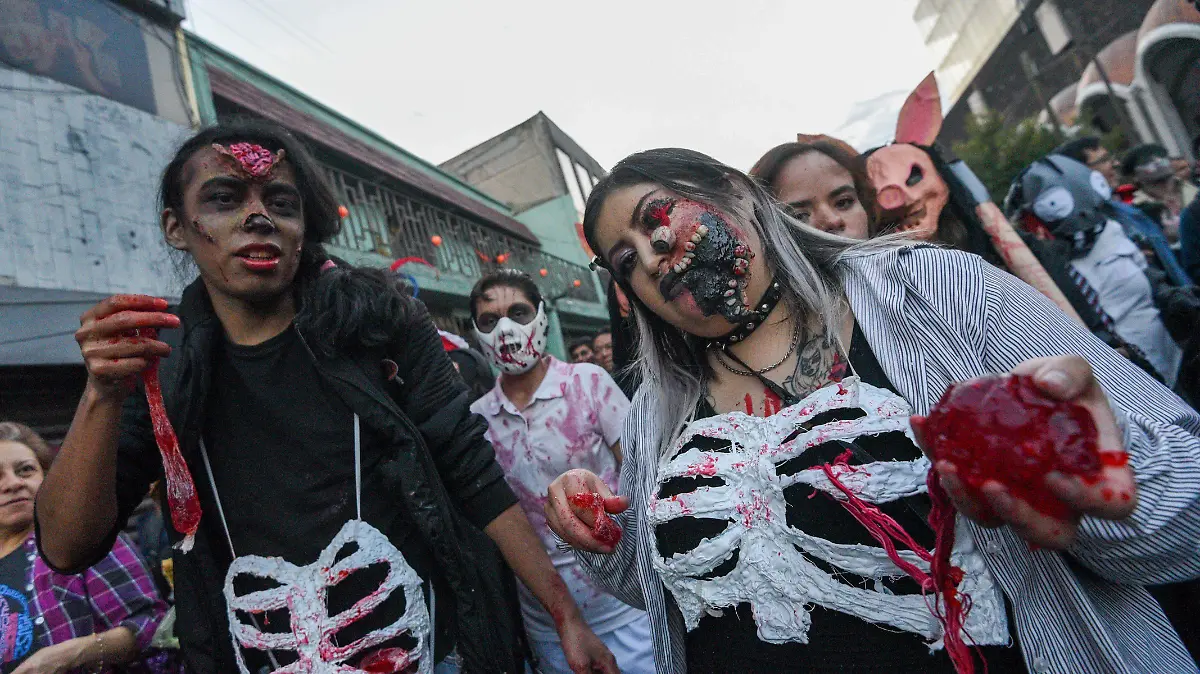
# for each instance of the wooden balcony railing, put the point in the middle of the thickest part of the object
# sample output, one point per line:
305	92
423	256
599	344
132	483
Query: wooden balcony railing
395	225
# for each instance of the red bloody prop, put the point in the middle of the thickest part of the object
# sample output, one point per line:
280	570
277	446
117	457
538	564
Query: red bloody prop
181	490
1003	428
604	529
389	661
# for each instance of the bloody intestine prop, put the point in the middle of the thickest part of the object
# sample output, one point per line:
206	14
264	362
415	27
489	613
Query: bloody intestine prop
914	186
302	591
1002	428
603	528
777	568
255	161
181	489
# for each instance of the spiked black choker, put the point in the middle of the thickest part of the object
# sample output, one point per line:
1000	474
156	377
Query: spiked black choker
755	318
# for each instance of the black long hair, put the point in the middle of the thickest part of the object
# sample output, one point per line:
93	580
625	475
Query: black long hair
340	307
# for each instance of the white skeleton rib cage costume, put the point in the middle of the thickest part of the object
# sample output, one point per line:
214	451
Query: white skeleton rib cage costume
303	591
772	573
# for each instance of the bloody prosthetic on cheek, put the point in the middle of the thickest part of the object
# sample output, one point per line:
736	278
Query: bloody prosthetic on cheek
708	257
1003	428
603	528
181	490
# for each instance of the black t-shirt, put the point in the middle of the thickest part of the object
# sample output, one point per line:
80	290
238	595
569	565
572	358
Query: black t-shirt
837	642
17	640
282	453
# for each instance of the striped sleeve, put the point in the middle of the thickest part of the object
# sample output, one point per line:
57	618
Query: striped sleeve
1160	542
617	573
122	594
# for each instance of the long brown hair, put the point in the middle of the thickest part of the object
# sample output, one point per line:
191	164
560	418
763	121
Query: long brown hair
767	169
12	431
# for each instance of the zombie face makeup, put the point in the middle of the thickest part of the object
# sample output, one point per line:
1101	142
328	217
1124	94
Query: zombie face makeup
692	264
708	257
911	193
510	330
242	220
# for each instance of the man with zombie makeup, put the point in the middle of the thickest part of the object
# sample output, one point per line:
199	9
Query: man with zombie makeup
544	417
333	486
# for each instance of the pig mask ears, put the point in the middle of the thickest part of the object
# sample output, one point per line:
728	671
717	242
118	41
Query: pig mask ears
921	117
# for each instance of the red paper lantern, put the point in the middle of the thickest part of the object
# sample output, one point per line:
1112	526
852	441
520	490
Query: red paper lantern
501	258
343	212
577	283
435	240
544	272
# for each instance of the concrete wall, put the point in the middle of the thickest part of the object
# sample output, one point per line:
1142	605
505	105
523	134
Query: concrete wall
518	167
78	177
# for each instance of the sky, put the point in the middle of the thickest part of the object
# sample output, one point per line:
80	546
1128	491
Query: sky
729	79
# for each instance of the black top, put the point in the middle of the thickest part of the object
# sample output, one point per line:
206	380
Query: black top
837	642
282	452
17	640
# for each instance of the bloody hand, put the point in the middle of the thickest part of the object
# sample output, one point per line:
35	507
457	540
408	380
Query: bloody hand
603	528
1035	450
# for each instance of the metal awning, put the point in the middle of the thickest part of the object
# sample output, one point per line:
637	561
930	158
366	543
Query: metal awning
37	326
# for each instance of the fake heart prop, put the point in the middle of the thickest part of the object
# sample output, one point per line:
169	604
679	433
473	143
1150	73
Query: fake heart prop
303	592
1002	428
604	529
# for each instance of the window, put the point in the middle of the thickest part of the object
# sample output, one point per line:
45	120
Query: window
1029	65
1054	29
976	103
568	173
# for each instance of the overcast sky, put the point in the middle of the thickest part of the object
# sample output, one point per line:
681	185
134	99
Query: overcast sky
728	78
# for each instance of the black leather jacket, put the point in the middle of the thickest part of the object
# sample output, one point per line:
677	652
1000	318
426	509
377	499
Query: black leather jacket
444	471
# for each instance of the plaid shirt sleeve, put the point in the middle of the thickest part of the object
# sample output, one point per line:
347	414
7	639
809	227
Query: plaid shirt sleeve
122	593
116	592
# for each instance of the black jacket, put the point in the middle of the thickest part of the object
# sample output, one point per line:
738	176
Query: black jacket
444	472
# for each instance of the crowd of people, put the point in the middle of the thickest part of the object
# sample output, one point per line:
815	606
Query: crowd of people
731	477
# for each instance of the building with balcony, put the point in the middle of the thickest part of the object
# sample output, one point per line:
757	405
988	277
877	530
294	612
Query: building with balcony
544	177
93	99
402	206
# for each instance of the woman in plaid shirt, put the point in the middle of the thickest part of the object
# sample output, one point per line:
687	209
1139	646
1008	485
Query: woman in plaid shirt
52	622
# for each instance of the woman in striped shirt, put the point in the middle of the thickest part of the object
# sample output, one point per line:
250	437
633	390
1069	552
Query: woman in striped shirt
769	348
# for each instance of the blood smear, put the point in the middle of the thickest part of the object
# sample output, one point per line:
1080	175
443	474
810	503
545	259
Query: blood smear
388	661
181	490
604	528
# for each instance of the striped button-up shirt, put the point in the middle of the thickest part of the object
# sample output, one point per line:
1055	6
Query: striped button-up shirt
934	317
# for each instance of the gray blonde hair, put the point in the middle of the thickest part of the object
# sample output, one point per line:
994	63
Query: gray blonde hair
804	260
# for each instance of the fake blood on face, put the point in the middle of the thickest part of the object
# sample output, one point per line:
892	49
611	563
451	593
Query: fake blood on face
181	490
604	529
1003	428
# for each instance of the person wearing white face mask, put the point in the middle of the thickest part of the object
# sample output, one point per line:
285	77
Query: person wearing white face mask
546	417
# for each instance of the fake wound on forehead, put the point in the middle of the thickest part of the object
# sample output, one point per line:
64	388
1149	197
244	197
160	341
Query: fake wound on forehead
255	161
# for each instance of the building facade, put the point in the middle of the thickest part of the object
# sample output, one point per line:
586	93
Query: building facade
545	178
93	99
1023	62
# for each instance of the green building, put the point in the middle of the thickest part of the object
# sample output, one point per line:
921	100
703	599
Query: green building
401	206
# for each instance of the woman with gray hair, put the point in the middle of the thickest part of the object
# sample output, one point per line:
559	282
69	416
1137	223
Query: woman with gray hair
784	371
